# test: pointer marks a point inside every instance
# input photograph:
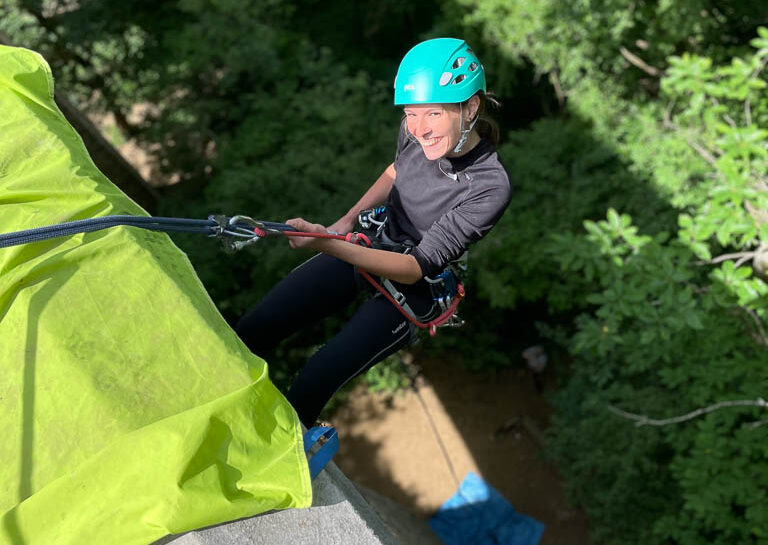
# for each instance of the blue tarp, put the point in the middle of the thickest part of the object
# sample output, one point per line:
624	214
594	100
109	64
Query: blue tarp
480	515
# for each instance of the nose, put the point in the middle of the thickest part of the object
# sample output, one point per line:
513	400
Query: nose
422	128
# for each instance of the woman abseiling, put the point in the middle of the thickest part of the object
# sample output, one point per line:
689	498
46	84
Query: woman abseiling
444	191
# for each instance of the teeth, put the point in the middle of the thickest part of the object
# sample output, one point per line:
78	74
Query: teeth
431	141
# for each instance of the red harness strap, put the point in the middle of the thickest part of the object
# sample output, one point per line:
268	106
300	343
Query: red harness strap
363	240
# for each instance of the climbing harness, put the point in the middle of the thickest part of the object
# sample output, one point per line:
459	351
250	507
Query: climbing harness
239	231
373	218
444	287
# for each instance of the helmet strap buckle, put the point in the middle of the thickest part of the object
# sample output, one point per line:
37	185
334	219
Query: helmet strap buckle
464	132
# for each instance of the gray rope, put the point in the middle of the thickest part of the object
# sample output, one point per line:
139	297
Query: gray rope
208	227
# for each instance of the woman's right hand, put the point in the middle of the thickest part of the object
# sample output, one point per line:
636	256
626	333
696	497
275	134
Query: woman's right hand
307	243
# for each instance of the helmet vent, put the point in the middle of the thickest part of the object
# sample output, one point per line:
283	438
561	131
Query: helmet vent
459	79
445	79
458	62
473	67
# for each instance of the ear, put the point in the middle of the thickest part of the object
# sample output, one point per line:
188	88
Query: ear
473	104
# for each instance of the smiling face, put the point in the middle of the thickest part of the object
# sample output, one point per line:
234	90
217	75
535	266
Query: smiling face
437	127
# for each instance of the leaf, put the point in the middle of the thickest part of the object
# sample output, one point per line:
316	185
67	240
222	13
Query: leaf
592	228
693	320
613	219
701	250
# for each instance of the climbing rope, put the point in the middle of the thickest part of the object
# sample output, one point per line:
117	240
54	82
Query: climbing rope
69	228
236	232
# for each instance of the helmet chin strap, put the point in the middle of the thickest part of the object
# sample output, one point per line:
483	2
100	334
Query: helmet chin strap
464	132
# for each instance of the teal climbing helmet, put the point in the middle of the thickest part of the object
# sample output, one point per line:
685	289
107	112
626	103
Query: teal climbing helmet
443	70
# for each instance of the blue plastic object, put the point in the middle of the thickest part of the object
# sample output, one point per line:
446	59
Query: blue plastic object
480	515
323	455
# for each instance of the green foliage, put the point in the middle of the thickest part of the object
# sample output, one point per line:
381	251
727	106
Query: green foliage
663	338
671	315
561	176
639	218
572	38
668	333
390	376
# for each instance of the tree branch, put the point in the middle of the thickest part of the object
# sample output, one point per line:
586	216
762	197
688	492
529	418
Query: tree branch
759	69
643	420
747	111
760	337
668	115
708	157
747	105
728	257
703	152
554	78
640	63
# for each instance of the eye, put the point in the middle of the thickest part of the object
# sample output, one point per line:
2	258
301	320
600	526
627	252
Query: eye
434	114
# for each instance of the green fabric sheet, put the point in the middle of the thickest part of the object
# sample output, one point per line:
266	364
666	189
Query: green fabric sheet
129	410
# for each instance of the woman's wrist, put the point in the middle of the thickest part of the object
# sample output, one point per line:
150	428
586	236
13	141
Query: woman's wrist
350	220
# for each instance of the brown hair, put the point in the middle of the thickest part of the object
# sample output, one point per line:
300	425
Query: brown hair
486	126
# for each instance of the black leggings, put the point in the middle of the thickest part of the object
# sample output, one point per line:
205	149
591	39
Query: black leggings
319	287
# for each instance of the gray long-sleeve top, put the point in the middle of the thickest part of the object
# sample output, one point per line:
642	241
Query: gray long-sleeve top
447	204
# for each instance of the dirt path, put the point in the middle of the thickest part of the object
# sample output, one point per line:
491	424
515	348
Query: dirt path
487	424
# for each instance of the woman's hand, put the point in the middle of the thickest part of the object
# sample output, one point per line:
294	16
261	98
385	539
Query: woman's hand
307	243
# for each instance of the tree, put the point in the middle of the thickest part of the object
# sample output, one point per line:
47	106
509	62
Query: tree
659	152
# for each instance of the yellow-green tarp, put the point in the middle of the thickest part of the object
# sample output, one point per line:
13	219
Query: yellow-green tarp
129	410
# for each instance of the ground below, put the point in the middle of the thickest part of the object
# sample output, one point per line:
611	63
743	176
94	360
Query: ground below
417	446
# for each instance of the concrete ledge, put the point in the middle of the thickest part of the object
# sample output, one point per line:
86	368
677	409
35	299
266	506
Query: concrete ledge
339	516
407	528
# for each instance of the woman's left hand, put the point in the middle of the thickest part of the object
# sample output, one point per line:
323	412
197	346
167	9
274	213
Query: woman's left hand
307	243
